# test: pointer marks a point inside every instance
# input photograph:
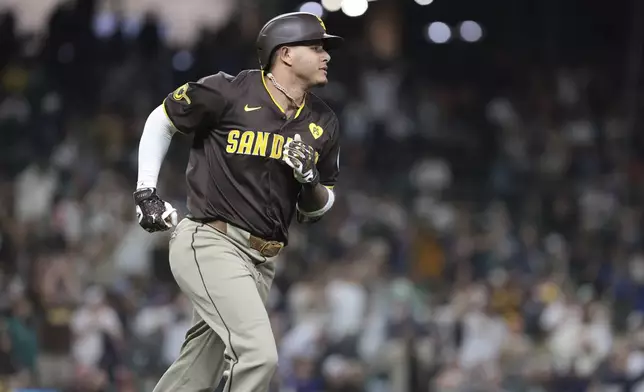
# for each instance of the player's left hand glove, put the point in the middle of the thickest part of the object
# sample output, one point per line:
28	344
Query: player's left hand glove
301	158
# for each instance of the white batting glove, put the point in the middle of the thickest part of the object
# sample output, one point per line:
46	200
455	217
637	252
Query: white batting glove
301	158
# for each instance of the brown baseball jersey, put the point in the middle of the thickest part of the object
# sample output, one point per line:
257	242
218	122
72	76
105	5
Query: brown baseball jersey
235	172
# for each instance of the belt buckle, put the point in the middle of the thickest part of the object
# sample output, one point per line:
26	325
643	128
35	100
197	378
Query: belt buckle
270	248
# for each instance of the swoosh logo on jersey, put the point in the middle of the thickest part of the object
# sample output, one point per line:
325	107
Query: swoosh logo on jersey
249	109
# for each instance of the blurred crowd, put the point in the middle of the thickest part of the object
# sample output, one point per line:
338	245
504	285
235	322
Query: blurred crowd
487	235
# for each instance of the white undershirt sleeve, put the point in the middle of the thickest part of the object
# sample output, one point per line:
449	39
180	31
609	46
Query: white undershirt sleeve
153	146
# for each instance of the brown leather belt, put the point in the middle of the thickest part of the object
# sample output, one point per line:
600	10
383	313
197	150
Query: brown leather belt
264	247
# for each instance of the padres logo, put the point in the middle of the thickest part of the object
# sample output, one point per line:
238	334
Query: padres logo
316	130
181	93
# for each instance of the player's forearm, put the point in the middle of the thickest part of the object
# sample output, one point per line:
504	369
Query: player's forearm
154	144
315	201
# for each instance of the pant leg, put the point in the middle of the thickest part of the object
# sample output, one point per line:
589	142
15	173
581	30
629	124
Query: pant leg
221	281
200	364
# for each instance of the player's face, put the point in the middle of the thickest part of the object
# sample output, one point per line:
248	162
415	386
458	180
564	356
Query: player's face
310	63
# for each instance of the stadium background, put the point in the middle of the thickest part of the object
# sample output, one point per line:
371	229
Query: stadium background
487	234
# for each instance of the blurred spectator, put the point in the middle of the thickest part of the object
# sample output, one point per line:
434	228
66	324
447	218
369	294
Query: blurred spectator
35	188
97	341
484	336
8	368
59	291
24	341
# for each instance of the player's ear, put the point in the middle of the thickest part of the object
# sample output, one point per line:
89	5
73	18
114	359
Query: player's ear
285	53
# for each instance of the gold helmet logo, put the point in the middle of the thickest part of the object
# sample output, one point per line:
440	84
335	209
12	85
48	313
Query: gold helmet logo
321	23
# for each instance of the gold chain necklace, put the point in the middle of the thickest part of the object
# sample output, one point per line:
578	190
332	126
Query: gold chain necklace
280	88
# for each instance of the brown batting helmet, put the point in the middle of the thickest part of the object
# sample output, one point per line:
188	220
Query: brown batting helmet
291	29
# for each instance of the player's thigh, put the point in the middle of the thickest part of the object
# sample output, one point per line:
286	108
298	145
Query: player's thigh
223	288
266	273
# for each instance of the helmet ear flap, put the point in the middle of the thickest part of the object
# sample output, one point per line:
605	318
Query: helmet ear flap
272	58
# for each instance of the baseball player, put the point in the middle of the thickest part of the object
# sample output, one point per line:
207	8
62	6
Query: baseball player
264	149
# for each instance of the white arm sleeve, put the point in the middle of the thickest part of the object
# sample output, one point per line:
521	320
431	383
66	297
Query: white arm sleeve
154	144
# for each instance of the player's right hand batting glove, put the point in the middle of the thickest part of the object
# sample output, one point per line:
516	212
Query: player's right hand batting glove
153	213
301	158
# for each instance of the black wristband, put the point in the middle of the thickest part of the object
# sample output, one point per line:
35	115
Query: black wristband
144	194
